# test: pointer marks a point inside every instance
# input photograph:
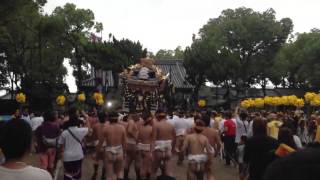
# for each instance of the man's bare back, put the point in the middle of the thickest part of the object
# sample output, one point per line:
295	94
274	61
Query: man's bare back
114	134
164	131
213	137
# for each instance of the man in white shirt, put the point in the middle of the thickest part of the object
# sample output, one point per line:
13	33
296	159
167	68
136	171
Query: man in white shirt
16	143
36	121
71	143
180	126
242	125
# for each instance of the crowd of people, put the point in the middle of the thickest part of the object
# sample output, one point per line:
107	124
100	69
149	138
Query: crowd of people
261	144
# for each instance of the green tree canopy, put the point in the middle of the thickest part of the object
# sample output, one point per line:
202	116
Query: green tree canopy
237	49
167	54
297	64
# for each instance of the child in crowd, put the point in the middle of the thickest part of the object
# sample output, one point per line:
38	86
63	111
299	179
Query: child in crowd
242	165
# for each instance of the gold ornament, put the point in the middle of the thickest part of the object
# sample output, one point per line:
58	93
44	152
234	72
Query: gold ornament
61	100
81	97
21	98
202	103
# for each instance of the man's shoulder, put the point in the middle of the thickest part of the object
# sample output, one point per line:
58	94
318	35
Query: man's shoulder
28	173
39	173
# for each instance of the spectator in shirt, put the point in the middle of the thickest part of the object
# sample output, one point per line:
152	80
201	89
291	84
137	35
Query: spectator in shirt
71	144
46	135
242	125
15	142
273	126
259	150
36	121
229	137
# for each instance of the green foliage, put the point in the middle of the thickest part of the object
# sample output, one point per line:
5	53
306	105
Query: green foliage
114	55
165	54
298	62
79	23
238	48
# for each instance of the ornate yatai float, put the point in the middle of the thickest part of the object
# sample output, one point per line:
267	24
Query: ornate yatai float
142	84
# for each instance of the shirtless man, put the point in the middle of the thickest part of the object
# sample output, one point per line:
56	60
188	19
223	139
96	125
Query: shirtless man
145	142
96	134
164	139
114	135
197	145
215	143
181	126
132	134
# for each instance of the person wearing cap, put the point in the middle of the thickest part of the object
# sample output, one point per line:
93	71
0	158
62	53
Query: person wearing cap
164	139
114	136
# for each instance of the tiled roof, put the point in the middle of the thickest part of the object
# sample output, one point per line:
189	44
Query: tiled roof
176	71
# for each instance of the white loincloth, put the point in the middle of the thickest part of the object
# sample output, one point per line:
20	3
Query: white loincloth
180	132
199	158
131	141
144	147
114	149
163	145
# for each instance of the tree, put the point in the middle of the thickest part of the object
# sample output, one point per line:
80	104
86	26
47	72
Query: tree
167	54
79	23
114	55
297	64
240	46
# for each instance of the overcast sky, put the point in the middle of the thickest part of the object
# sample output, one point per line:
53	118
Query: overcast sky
166	24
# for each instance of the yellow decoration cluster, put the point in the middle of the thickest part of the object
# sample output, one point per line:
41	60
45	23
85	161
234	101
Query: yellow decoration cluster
21	98
273	101
309	96
81	97
202	103
312	98
61	100
98	97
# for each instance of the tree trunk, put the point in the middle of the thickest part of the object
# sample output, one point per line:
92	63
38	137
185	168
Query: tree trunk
79	69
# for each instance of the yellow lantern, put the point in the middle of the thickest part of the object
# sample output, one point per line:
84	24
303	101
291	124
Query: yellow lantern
81	97
202	103
21	98
61	100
